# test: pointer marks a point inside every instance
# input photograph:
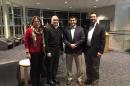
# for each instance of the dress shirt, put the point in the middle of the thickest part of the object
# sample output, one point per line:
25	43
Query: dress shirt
90	34
72	32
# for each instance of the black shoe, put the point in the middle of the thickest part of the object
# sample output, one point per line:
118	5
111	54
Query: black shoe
50	82
56	81
88	82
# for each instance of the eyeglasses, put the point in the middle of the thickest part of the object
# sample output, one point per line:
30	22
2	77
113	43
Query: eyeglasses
37	21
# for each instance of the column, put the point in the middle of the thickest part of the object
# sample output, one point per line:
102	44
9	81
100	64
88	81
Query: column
5	19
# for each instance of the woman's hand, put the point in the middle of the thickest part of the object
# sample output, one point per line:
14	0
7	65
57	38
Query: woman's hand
28	55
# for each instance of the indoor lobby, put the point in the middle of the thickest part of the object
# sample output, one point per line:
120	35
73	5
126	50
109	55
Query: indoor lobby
15	17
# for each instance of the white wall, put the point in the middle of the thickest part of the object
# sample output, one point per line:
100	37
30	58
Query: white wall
109	14
122	17
121	41
120	24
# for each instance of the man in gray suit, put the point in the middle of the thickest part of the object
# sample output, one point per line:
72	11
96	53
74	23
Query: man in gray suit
73	38
95	43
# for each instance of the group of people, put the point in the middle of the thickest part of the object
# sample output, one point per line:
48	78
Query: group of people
44	45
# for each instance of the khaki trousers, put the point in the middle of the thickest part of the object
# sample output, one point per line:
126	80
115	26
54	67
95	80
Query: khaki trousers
78	61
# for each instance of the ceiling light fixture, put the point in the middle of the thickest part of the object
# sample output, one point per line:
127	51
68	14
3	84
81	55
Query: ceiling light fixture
94	6
48	8
37	3
66	2
70	7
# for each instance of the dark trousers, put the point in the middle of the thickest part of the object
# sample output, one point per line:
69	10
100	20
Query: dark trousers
92	65
36	67
52	64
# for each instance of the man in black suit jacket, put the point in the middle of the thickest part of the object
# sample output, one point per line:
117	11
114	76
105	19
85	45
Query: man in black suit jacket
73	38
53	48
95	43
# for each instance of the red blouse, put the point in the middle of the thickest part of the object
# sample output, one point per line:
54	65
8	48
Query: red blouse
28	42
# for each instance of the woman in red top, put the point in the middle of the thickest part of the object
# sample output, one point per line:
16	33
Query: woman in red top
33	42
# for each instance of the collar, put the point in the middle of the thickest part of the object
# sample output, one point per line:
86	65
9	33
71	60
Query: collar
73	27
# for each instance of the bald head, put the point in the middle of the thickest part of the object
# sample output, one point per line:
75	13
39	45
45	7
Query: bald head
54	20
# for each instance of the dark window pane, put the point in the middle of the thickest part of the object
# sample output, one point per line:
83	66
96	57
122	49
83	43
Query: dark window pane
17	11
48	14
84	15
106	24
78	22
47	21
33	12
11	31
62	15
63	23
17	21
77	15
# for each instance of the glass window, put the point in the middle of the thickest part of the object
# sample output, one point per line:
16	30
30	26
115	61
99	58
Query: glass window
17	11
11	31
33	12
106	24
62	15
46	22
63	23
77	15
18	21
18	30
48	14
84	15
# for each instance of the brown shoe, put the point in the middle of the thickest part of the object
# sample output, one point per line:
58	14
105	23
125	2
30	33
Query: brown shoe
95	83
81	83
69	82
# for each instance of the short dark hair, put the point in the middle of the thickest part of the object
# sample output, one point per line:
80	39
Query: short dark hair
93	13
72	17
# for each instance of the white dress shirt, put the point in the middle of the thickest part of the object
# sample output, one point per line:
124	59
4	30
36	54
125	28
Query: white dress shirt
72	32
90	34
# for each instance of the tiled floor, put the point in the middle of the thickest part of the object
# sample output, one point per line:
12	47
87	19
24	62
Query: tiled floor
114	68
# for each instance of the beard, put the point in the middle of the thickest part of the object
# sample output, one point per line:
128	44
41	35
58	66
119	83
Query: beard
92	23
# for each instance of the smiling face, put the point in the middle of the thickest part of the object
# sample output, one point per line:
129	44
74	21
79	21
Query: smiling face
54	20
93	17
72	21
36	22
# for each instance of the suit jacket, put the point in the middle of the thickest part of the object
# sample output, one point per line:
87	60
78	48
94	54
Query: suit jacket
97	41
78	39
53	39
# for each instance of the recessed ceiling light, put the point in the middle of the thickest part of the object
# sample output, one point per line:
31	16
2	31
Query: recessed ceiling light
70	7
37	3
47	8
94	6
66	2
97	0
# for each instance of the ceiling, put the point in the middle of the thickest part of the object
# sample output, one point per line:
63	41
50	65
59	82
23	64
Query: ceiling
67	5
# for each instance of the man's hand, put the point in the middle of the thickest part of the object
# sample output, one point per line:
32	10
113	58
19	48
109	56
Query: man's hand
73	46
49	55
99	54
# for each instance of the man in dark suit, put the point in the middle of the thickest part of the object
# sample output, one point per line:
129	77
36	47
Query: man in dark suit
73	38
53	47
95	43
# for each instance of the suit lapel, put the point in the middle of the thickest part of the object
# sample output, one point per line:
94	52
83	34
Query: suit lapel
69	33
95	31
